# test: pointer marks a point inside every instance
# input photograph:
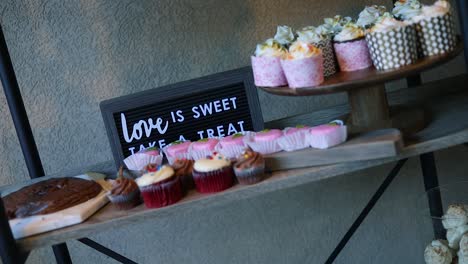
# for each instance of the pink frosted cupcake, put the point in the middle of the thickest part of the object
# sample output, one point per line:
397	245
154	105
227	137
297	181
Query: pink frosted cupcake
137	162
326	136
265	141
266	64
177	150
160	188
203	148
232	146
294	138
351	48
213	174
303	65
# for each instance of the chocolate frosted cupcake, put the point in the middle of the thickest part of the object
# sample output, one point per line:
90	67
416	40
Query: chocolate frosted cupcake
125	193
183	169
250	167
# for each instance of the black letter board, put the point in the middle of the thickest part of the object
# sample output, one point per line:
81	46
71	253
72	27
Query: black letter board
217	105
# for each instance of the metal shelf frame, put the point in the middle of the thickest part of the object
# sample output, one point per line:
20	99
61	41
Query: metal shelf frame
10	253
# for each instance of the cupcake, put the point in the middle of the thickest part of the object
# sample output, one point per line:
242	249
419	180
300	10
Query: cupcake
392	43
454	236
232	146
438	253
311	35
294	138
463	252
124	194
177	150
265	141
250	167
351	48
303	65
369	16
333	26
202	148
183	169
435	29
285	36
160	188
136	163
455	216
266	64
326	136
213	174
405	10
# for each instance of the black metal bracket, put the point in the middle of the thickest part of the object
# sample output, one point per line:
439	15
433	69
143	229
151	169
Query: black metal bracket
357	223
106	251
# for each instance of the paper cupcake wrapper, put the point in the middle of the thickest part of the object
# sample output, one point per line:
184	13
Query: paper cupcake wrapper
436	35
328	140
352	55
268	71
200	154
266	147
294	141
138	161
393	49
231	152
251	175
172	159
125	202
160	195
213	181
330	65
305	72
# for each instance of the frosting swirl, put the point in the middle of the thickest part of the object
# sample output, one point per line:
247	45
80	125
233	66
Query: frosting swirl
439	8
309	35
301	50
333	26
249	159
349	32
123	186
406	9
387	23
369	15
270	48
183	167
165	172
284	35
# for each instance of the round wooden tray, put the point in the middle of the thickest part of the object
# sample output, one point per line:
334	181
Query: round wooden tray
346	81
367	97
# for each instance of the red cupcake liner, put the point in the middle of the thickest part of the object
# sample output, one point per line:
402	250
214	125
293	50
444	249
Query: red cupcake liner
162	194
213	181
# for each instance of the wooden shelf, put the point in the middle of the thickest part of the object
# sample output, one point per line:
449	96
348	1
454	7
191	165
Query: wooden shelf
443	132
347	81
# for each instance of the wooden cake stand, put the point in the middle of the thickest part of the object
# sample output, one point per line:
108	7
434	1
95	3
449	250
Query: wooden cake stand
367	96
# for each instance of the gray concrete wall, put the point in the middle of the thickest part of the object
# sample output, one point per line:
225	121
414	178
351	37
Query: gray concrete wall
70	55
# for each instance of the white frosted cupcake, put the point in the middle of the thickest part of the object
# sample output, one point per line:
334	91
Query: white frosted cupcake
438	253
266	64
351	48
455	216
405	10
455	234
369	16
213	174
463	252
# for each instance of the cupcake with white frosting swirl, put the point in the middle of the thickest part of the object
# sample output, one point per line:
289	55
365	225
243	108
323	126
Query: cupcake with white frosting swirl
438	253
285	35
351	48
266	64
213	174
370	15
406	9
392	43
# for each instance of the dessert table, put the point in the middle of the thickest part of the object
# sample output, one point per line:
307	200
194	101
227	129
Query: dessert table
446	100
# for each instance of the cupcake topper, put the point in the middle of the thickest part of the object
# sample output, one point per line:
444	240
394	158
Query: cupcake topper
204	140
265	130
300	126
336	123
177	142
151	149
237	135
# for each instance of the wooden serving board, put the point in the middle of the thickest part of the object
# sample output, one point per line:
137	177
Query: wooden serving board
24	227
377	144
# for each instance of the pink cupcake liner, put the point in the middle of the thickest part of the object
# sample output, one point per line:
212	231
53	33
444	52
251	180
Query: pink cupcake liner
138	161
294	141
353	55
305	72
266	147
268	71
162	194
213	181
327	139
171	159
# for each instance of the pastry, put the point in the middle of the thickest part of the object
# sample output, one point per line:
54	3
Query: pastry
213	174
455	234
266	141
138	161
438	253
160	188
370	15
183	169
232	146
463	251
311	35
124	193
333	25
177	150
250	167
202	148
326	136
351	48
303	65
266	64
406	9
49	196
455	216
392	43
294	138
284	35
